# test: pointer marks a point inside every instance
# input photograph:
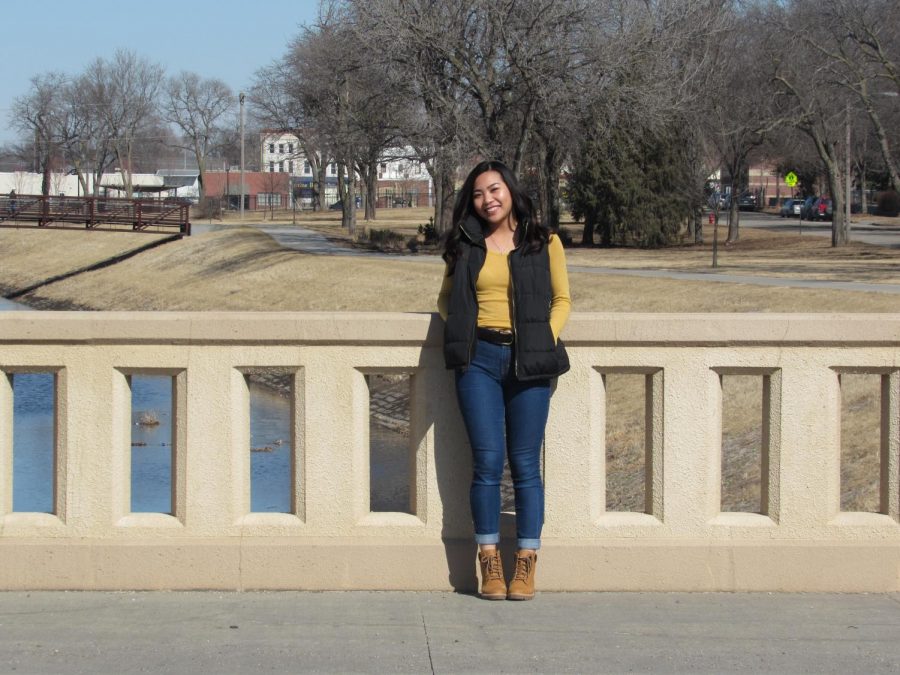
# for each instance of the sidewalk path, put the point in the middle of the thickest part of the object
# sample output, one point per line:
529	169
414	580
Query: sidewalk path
312	242
346	632
744	279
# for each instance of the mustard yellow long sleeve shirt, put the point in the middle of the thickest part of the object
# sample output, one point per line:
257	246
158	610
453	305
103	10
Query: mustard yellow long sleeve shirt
493	291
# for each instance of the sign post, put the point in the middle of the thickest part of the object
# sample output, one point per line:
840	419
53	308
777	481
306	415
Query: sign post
791	179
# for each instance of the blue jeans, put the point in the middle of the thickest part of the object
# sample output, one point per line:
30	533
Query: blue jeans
504	417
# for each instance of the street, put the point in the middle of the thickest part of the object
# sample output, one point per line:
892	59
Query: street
880	235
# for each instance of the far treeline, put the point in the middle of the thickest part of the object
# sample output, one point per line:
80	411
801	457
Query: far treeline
637	101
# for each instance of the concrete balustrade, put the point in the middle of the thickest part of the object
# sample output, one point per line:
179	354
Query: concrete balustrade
801	540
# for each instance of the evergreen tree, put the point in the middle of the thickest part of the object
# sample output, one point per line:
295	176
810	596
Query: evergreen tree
630	186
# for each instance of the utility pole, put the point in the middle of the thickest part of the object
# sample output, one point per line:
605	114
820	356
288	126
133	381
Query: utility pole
241	99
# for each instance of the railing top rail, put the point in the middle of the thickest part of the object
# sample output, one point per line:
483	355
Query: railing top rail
394	328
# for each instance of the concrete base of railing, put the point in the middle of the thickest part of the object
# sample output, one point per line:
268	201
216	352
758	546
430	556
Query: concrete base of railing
386	564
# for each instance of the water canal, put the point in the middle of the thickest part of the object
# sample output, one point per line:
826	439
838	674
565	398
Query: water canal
271	447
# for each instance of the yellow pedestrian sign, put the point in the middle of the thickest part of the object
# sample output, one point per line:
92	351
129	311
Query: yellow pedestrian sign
791	179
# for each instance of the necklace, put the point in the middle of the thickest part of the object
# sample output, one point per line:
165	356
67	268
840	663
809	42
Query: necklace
497	246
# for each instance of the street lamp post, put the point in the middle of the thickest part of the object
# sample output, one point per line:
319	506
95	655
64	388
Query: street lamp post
242	153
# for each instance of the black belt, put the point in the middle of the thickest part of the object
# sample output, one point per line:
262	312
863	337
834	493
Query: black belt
497	337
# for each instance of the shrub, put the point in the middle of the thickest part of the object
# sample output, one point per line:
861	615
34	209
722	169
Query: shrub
888	203
385	238
209	207
429	231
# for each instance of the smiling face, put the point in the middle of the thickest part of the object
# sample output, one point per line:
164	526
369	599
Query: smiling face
491	200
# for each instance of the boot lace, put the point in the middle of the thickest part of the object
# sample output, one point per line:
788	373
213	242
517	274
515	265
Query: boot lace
524	563
493	567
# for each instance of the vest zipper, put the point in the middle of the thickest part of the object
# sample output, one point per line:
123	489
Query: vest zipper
512	305
512	300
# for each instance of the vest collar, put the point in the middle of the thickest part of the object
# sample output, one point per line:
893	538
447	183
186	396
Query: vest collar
471	229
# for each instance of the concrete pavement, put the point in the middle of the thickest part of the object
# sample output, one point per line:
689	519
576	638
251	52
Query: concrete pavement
346	632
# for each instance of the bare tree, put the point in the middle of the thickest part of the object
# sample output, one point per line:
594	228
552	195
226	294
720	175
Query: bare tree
38	114
197	106
860	40
814	102
324	88
276	99
738	111
124	90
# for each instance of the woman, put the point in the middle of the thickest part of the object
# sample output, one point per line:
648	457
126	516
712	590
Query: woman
505	299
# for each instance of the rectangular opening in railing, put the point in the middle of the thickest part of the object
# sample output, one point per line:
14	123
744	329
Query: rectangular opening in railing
633	443
750	440
274	465
392	461
625	442
34	441
870	440
152	443
742	451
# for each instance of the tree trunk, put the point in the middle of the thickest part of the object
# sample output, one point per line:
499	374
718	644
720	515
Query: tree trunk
551	169
863	198
371	189
587	234
698	226
45	178
201	179
348	198
884	145
734	220
840	230
95	188
448	195
438	204
319	184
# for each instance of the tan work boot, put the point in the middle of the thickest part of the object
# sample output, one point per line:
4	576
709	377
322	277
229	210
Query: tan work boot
522	585
493	586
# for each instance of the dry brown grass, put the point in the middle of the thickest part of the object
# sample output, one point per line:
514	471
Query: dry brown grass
244	269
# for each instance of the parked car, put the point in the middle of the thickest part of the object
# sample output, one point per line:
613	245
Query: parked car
806	208
791	207
821	209
748	202
339	205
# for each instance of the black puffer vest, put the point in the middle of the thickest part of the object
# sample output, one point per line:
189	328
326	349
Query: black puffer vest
537	356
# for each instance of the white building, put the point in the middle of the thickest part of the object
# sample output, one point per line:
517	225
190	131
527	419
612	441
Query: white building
146	185
402	180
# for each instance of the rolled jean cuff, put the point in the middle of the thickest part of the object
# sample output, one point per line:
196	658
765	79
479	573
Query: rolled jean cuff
534	544
487	538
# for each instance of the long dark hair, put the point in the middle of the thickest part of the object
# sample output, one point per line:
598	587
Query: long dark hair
536	235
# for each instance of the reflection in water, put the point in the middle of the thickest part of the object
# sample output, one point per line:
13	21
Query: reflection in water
11	305
151	451
271	480
33	442
151	445
151	455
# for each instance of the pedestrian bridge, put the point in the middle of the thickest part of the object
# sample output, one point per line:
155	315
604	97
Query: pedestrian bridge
677	538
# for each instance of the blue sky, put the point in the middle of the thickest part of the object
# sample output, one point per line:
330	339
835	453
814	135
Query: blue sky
210	38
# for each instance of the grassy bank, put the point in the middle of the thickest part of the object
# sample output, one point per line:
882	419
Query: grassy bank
244	269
